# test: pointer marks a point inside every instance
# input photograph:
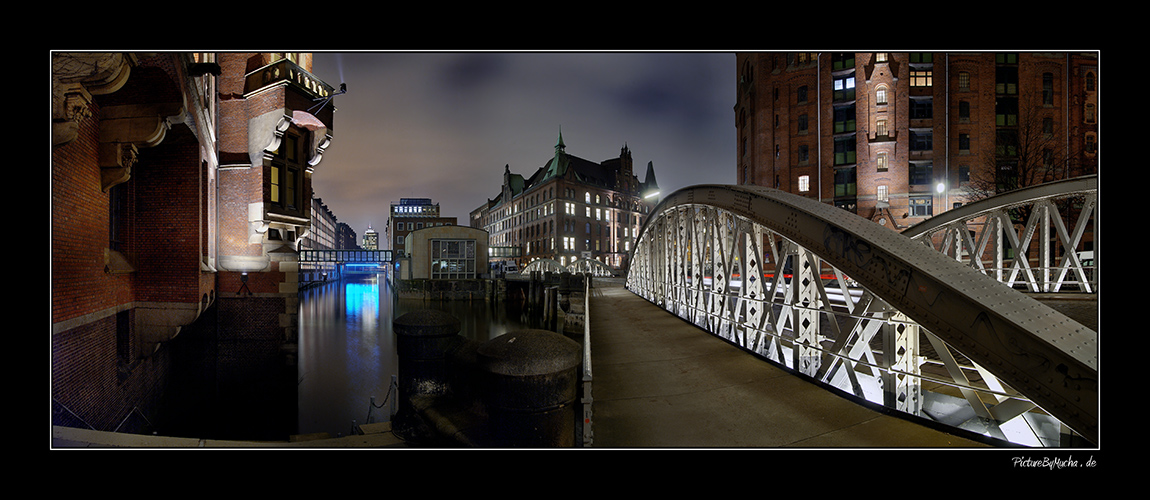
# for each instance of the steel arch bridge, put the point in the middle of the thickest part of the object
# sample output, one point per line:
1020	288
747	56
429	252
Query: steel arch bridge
589	266
982	231
544	265
869	312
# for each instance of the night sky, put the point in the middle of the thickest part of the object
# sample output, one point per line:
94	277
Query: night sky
443	125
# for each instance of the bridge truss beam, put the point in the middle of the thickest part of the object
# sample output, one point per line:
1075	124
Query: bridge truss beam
981	231
846	302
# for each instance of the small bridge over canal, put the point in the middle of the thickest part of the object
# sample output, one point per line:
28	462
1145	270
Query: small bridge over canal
873	313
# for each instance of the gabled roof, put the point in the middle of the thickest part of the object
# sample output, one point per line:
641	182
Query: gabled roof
561	164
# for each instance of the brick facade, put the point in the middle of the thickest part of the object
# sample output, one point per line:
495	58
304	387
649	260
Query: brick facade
154	180
793	120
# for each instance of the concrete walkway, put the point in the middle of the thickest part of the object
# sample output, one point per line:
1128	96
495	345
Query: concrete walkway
660	382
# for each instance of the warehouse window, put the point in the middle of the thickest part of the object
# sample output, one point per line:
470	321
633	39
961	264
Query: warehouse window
452	259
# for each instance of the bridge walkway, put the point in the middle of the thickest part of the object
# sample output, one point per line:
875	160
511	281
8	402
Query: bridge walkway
661	382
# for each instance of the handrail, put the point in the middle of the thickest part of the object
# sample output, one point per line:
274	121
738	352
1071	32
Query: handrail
588	435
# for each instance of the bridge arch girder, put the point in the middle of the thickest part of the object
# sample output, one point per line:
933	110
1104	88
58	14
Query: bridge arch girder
1047	357
544	265
591	266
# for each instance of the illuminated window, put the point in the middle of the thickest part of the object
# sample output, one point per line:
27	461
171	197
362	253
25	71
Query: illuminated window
284	179
881	162
882	194
921	78
275	183
844	87
880	95
804	183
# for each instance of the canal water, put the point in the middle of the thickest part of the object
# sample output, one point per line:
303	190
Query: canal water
347	356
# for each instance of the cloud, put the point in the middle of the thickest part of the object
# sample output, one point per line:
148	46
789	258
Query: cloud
443	125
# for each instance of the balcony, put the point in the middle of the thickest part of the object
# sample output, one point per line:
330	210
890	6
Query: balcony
285	72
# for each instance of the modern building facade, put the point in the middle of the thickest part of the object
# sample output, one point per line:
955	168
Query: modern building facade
898	137
569	209
181	188
412	214
323	235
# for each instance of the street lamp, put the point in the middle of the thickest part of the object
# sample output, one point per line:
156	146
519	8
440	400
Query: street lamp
941	188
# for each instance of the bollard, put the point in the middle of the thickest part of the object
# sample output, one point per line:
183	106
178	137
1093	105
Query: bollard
532	378
423	339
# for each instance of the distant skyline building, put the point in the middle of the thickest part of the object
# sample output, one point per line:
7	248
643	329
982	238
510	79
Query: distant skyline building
370	239
411	214
569	209
900	137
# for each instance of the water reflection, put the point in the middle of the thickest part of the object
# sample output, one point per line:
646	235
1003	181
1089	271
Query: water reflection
347	348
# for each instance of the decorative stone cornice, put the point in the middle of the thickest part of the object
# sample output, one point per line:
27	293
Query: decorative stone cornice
116	161
76	77
124	128
70	106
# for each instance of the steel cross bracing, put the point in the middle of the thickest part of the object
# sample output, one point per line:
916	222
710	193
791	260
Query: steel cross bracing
986	229
849	303
585	266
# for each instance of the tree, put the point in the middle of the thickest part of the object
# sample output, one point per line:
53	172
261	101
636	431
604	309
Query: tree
1029	149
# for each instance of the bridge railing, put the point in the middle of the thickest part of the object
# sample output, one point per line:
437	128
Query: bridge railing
868	312
588	400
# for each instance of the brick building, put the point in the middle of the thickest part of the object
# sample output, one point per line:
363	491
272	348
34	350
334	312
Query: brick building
345	236
900	137
412	214
181	185
569	209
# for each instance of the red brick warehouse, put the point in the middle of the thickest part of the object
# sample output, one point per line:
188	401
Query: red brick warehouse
900	137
